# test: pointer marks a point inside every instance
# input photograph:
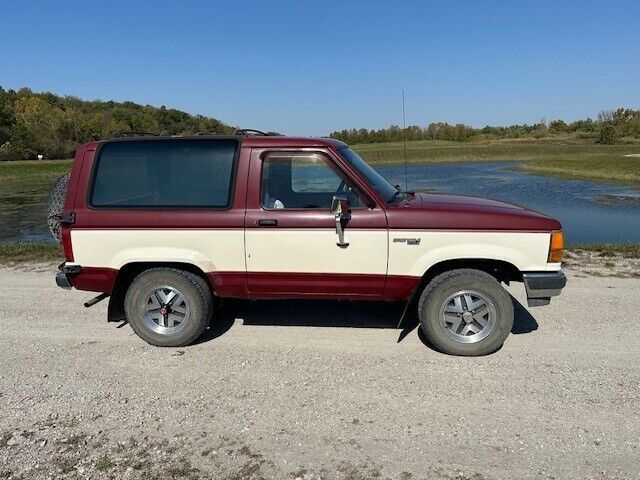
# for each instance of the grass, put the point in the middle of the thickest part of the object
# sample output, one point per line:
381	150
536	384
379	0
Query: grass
11	253
573	160
104	464
610	168
28	183
24	189
606	250
46	169
66	465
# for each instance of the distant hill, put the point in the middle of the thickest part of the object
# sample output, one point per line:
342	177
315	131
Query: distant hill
44	123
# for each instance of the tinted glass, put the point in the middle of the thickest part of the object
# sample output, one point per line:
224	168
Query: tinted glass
165	173
303	181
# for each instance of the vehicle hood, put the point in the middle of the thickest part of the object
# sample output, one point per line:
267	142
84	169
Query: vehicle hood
421	199
460	212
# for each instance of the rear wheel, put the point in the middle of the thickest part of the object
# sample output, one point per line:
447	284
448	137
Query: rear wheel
466	312
168	307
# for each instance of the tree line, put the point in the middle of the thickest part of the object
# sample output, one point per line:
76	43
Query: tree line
46	124
610	126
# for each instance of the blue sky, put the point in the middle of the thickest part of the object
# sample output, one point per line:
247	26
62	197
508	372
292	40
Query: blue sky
312	67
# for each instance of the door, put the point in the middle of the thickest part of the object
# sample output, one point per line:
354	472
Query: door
292	246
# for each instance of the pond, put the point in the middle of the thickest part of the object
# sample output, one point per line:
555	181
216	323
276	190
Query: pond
589	212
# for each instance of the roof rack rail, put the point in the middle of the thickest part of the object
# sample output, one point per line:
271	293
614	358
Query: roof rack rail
134	134
250	131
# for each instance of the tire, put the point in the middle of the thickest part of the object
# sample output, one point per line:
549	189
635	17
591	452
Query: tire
465	312
168	307
55	205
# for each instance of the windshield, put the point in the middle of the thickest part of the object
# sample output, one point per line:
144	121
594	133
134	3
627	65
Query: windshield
387	191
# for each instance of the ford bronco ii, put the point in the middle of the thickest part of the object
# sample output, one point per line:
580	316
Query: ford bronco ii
164	225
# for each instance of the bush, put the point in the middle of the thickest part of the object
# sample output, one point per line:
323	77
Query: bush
587	135
607	135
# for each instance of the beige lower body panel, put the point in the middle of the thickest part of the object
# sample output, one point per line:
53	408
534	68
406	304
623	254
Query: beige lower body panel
316	251
414	252
407	253
209	250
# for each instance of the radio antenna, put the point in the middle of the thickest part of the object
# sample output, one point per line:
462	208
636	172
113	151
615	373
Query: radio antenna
404	142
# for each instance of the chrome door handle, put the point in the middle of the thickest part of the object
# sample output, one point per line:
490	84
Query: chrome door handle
268	222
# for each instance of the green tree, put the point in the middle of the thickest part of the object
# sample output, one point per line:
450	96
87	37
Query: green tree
558	126
45	123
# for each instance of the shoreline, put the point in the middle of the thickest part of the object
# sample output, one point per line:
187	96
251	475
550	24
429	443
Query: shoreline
538	168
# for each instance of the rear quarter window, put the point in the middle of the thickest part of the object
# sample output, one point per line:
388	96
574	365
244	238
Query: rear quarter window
165	173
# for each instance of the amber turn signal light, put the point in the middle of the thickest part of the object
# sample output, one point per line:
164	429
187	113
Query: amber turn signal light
556	247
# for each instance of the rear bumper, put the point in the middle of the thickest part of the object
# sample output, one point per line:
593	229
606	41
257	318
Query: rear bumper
65	272
541	286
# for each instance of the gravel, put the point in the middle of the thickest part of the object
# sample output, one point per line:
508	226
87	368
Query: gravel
314	390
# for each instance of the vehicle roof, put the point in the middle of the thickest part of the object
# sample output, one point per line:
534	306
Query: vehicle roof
247	140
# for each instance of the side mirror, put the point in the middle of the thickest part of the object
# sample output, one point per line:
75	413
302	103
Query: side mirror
340	206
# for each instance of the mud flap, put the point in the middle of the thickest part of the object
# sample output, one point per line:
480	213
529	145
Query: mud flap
115	310
408	328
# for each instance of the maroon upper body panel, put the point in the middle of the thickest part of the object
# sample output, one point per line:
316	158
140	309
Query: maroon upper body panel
132	218
418	211
365	218
423	211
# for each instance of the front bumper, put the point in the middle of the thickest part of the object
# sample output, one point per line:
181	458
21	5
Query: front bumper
541	286
64	274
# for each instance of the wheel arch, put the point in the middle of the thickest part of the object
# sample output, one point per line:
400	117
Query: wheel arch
518	252
131	270
501	270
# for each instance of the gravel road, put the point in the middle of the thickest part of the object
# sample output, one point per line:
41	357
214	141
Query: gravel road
318	390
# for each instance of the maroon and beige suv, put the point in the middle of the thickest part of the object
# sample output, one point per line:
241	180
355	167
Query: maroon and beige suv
163	225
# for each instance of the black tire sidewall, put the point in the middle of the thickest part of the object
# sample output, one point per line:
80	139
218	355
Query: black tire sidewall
191	286
55	205
448	284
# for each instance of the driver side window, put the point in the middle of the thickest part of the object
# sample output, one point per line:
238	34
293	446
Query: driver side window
303	181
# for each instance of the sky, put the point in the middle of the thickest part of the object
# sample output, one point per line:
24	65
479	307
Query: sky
309	68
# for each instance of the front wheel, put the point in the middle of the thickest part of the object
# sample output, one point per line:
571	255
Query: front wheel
167	307
466	312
